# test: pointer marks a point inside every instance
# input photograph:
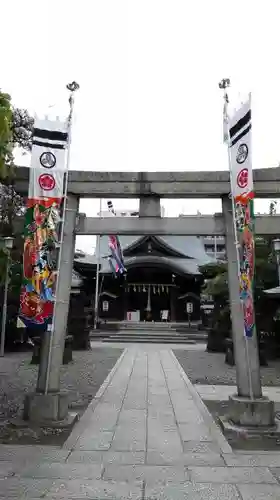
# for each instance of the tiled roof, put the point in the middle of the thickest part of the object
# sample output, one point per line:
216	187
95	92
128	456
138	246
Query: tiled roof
191	249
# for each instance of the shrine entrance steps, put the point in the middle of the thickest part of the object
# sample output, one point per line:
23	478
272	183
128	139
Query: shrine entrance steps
149	334
152	325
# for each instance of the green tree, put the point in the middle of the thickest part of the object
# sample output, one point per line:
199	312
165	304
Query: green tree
22	128
20	135
6	135
16	127
272	207
216	286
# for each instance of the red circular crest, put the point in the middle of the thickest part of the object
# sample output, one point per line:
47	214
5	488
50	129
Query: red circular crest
242	178
46	182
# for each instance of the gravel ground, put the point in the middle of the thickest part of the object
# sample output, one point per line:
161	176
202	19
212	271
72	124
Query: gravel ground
210	368
81	378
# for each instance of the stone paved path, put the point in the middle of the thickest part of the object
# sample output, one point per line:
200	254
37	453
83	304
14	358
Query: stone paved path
146	435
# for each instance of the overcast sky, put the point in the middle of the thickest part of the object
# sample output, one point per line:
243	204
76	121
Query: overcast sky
148	74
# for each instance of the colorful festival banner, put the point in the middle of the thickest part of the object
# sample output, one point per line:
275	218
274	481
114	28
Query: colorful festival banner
46	187
240	148
244	213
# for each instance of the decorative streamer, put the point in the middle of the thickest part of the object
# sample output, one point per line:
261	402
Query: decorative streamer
112	268
46	183
115	248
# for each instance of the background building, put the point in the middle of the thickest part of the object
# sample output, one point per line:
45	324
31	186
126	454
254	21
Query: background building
125	213
215	246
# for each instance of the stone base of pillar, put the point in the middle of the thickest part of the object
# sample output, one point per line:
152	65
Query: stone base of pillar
250	420
247	413
47	409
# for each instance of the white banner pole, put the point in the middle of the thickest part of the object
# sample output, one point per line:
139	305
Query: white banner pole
72	87
224	84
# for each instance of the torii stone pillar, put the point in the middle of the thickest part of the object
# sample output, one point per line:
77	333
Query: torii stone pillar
149	206
244	410
53	406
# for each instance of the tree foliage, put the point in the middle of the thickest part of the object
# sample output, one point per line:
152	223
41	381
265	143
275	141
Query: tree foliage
6	135
216	286
22	128
272	207
20	135
16	127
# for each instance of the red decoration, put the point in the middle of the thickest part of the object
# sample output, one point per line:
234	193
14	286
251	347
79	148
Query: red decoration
242	178
33	308
47	182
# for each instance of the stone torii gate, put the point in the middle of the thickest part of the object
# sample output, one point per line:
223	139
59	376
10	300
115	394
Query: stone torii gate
150	187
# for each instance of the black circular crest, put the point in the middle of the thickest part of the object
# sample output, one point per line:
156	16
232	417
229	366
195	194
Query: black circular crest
47	159
242	153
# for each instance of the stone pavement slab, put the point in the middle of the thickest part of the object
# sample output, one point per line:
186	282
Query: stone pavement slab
63	471
30	452
9	469
149	474
108	457
222	392
146	435
267	459
259	492
96	441
191	491
24	488
201	447
158	458
232	475
95	490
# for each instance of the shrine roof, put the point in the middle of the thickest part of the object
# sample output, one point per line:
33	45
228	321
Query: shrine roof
181	266
190	254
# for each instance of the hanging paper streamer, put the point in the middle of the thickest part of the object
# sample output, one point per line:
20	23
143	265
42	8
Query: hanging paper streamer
242	191
115	248
46	186
112	267
116	254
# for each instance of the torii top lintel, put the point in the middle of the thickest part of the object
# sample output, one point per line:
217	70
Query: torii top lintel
189	184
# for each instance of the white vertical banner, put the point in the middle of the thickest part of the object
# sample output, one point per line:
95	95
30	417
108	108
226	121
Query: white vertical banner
242	191
240	149
48	160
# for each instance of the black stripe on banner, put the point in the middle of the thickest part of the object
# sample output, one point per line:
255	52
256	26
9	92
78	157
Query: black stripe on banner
52	135
240	124
48	145
236	139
